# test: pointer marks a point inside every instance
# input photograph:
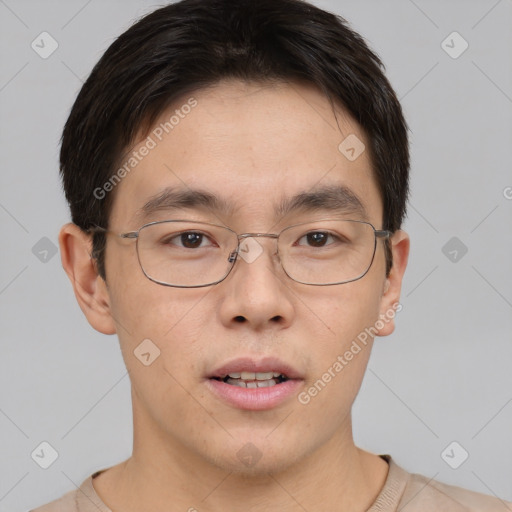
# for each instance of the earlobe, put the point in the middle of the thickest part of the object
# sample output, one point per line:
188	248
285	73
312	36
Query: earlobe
390	299
90	289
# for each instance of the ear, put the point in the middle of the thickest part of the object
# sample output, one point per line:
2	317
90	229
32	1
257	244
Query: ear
389	304
90	289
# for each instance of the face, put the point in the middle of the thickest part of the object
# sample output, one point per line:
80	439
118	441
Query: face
252	147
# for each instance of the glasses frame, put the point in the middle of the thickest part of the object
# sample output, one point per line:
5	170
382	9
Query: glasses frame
233	256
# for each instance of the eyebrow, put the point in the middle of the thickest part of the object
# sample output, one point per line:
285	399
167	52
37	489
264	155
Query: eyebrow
184	198
332	198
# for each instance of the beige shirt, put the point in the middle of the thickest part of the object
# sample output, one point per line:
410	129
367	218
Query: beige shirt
401	491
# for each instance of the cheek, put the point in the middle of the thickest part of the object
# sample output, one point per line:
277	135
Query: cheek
140	307
339	341
174	319
160	341
152	319
335	316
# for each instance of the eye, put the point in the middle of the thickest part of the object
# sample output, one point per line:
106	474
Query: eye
187	239
317	238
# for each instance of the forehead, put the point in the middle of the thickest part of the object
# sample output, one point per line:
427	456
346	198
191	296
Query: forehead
255	149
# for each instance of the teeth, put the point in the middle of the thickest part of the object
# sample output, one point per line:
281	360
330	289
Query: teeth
264	376
252	385
254	376
254	379
266	383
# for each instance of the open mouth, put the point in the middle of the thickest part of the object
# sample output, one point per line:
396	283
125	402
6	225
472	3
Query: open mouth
252	379
255	385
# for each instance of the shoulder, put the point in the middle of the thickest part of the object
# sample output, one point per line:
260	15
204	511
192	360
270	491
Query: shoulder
417	493
422	494
66	503
83	499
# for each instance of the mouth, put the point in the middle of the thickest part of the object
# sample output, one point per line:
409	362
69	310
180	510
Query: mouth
250	372
253	379
246	383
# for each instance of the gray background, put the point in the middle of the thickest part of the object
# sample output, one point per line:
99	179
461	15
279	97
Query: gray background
443	376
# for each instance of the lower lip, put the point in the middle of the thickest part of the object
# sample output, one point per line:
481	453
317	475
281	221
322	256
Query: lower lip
254	399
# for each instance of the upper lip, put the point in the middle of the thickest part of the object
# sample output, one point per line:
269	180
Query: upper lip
248	364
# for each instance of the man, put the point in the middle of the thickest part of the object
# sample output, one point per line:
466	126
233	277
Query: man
237	174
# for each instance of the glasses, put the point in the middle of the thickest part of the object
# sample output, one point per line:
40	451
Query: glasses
190	254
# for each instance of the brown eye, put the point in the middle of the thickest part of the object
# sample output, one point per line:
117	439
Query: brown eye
191	240
187	240
316	239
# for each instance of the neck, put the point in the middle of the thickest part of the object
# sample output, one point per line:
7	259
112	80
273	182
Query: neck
163	471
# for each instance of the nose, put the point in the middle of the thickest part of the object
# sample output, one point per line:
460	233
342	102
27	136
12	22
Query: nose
256	292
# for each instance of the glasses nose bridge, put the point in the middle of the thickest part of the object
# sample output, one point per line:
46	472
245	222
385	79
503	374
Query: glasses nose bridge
256	235
243	236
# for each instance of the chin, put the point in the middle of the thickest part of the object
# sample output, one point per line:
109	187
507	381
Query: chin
256	458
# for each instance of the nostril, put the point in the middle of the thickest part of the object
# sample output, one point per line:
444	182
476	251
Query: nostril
239	319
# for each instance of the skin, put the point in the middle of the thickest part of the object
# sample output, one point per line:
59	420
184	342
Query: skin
250	144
